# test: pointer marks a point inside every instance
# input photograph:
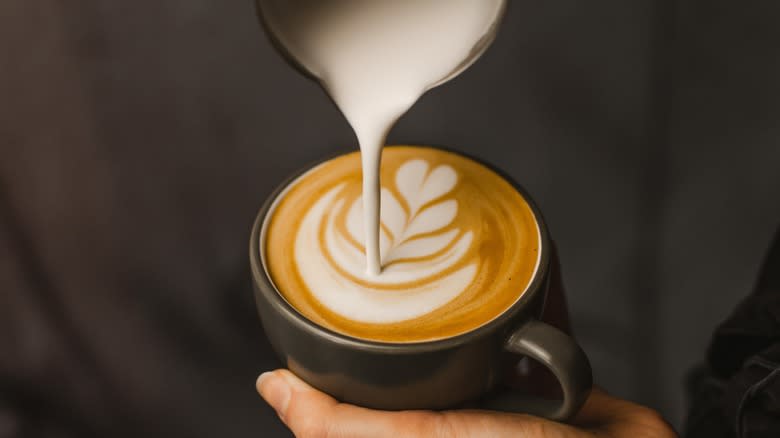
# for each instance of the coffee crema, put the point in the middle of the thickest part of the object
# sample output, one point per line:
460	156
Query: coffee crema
459	245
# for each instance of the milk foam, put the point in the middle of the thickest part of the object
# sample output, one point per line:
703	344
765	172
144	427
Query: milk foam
459	245
375	59
418	248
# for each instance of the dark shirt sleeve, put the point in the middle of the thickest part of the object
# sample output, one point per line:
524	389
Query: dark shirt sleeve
737	392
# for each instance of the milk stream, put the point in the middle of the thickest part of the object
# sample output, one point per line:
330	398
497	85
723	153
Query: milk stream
375	59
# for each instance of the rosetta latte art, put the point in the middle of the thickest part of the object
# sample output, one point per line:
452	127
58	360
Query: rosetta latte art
458	246
421	253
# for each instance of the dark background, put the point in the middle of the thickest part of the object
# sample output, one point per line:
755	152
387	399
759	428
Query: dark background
138	139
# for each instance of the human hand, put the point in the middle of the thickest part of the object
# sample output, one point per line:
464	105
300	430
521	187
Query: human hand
312	414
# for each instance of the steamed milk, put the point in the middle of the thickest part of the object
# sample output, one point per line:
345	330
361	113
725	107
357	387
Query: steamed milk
431	244
459	246
375	59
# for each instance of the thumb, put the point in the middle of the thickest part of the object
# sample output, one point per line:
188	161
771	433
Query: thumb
311	413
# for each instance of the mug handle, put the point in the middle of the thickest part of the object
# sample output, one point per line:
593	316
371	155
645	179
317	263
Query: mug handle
558	352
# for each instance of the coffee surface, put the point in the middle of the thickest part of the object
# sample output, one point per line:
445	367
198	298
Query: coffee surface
458	246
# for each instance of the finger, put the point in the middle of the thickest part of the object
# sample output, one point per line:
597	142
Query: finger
602	408
478	423
615	417
310	413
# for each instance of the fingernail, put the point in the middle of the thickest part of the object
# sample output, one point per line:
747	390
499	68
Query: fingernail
275	390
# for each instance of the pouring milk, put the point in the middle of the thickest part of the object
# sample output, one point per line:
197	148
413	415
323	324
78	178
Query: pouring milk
375	58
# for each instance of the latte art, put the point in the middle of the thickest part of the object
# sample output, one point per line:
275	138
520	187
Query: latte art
423	254
458	246
375	59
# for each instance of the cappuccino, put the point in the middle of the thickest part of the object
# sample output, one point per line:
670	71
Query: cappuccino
458	245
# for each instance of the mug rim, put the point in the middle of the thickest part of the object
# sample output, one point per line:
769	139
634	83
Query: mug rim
273	296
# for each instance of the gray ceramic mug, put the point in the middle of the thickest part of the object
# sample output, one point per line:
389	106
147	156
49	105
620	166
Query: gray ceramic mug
428	375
